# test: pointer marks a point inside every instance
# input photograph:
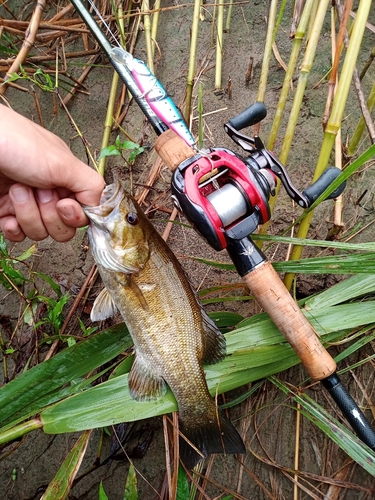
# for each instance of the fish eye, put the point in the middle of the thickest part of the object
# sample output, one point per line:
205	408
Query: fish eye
132	218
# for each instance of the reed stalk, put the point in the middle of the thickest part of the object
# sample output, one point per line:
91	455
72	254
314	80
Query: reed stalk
155	25
200	118
148	38
296	47
334	122
111	103
266	55
353	144
229	16
192	59
308	12
219	45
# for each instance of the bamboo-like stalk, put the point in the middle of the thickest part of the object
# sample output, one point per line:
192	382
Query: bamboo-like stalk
296	47
200	117
111	104
192	58
147	30
353	145
20	430
219	44
266	56
303	77
334	122
229	16
332	83
299	36
28	42
155	25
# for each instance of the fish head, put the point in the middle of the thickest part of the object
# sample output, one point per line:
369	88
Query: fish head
117	231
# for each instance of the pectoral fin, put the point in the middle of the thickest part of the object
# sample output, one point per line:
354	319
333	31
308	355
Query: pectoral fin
103	307
143	383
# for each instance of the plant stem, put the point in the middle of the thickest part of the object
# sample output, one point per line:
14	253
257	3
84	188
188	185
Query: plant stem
192	59
20	430
334	122
361	125
219	44
111	104
229	16
155	25
267	53
147	30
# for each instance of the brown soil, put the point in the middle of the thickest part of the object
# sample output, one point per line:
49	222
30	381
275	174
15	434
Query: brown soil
266	418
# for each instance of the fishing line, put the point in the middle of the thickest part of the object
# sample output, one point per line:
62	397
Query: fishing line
96	10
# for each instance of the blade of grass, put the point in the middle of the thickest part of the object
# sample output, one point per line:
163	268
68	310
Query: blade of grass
60	486
336	431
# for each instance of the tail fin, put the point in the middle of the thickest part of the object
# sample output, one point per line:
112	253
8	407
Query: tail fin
211	437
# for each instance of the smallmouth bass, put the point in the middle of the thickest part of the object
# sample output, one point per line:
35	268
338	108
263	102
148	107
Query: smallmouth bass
172	334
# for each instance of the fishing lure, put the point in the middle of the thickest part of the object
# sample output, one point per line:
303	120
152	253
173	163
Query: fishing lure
154	93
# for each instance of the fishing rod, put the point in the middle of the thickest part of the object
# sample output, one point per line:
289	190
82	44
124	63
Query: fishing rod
225	197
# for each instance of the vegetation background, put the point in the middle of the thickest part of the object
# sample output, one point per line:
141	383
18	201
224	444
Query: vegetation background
47	289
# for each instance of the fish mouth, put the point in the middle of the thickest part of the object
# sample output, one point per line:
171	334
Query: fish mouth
103	220
109	200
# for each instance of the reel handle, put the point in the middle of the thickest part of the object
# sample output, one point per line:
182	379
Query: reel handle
250	116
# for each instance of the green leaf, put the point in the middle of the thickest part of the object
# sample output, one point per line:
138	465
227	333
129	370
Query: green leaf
55	286
109	151
336	431
182	484
59	488
17	396
102	493
131	492
129	145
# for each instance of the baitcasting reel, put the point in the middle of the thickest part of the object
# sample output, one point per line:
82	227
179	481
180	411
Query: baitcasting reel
226	197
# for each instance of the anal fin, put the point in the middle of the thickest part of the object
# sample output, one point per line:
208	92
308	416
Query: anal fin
143	383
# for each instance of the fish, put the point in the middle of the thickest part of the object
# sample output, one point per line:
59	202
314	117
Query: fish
173	336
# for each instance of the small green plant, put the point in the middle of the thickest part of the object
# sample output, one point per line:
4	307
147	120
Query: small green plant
128	150
39	78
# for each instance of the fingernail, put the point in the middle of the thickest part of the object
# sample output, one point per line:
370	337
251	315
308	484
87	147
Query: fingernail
14	230
44	195
20	194
67	212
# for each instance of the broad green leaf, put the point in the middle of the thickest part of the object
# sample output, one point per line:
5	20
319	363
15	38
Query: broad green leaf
182	484
338	264
102	493
69	364
353	287
60	486
131	492
351	247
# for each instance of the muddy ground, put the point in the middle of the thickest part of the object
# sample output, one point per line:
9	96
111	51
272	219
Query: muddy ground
265	418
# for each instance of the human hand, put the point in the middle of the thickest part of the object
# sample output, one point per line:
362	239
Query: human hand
41	182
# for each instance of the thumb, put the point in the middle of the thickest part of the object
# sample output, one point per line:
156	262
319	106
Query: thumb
86	184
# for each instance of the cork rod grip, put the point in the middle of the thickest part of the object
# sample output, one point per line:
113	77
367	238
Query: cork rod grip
172	149
271	294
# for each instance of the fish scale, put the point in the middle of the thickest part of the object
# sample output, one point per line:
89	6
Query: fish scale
172	334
